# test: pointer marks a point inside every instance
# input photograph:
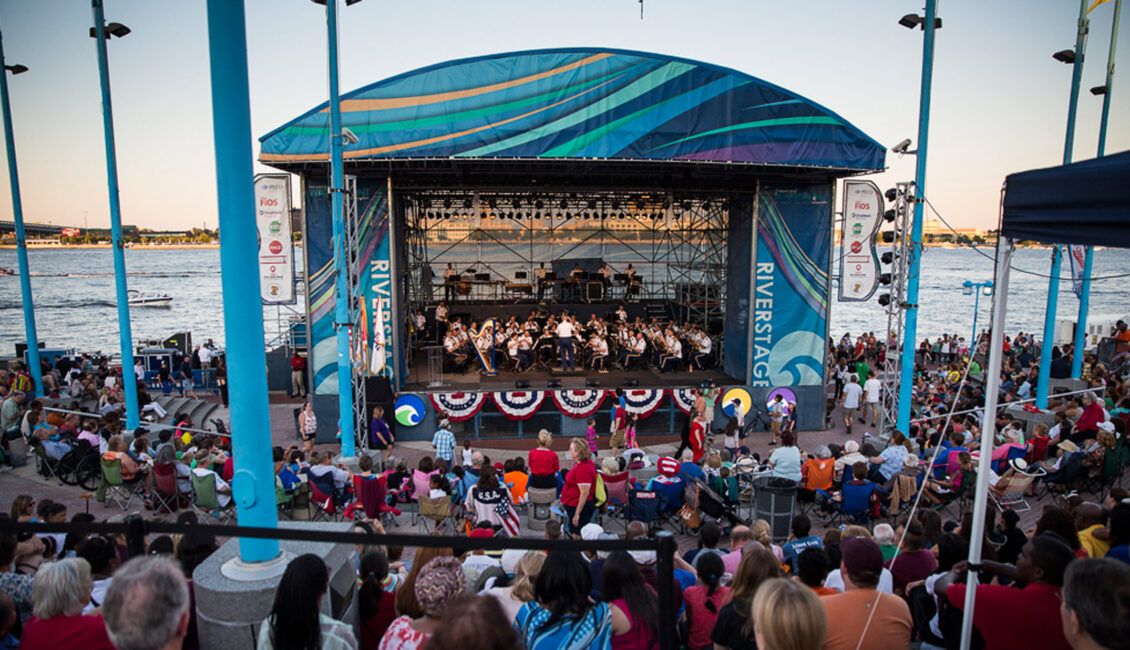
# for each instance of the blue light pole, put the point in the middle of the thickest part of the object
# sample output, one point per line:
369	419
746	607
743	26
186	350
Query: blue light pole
253	483
910	327
1088	261
21	237
341	282
102	32
1075	57
976	288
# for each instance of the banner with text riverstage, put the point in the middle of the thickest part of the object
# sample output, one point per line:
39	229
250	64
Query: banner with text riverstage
791	290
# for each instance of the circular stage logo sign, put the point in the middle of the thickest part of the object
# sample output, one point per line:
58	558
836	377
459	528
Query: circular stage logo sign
275	247
409	410
786	394
739	394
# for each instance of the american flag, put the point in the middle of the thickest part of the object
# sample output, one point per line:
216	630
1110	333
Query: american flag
507	515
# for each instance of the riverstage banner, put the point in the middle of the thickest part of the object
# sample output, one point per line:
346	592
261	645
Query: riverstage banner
859	263
791	289
276	245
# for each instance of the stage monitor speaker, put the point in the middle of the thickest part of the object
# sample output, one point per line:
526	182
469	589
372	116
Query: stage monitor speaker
21	349
594	291
181	341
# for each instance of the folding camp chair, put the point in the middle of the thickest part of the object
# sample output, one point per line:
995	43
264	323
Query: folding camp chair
166	496
324	503
369	500
1012	494
115	488
284	499
616	489
47	466
1065	478
437	512
1106	476
206	499
643	506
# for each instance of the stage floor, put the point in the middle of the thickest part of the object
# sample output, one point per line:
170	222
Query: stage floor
418	379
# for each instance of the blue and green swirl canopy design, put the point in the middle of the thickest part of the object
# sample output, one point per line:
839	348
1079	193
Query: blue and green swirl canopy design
580	103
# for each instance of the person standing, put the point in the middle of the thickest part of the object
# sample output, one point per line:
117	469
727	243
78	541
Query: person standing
444	442
222	379
297	375
578	496
307	427
565	333
698	437
776	416
188	380
871	390
853	392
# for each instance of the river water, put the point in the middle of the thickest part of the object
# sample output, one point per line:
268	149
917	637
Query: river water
74	295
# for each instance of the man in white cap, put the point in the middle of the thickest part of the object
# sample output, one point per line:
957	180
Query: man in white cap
444	441
851	456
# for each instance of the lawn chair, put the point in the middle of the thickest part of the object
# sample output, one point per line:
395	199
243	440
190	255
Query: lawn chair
643	506
1108	473
904	491
437	511
324	504
616	489
853	505
369	500
206	498
114	488
1070	469
166	496
284	499
46	466
1012	495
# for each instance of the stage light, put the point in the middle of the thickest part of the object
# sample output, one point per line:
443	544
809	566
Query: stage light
686	205
615	206
889	216
517	203
884	279
888	257
563	204
590	204
1096	91
592	383
18	68
553	383
884	299
539	204
891	194
910	21
640	205
522	383
706	383
482	215
447	204
492	203
631	383
887	237
467	204
1065	56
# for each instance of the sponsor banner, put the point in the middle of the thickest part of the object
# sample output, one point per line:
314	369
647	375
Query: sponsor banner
1078	255
683	398
409	410
519	404
579	403
859	263
458	407
276	245
642	402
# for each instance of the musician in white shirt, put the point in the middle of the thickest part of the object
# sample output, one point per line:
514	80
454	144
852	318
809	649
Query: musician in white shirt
540	275
621	314
565	333
672	354
525	351
450	280
701	355
599	354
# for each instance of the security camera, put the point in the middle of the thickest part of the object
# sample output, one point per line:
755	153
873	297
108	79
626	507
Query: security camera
902	147
351	138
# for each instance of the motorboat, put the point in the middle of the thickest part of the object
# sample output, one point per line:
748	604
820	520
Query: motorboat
139	299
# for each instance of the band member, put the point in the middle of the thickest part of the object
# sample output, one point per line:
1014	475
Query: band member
540	274
531	325
525	351
621	314
566	330
702	346
599	348
441	321
672	354
633	352
484	346
450	280
605	274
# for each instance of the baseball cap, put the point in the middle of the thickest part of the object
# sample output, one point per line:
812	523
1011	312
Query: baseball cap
1068	446
851	446
861	555
591	532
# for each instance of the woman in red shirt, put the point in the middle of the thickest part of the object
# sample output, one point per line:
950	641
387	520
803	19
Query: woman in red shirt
61	591
578	496
1087	426
543	463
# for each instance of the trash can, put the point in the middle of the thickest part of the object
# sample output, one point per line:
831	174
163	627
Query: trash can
773	500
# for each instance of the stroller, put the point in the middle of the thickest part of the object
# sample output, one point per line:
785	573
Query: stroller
715	506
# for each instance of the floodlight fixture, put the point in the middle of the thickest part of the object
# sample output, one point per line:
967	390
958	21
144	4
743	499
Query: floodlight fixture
884	299
1065	56
349	136
889	215
113	29
592	383
903	148
891	194
910	21
1098	90
18	68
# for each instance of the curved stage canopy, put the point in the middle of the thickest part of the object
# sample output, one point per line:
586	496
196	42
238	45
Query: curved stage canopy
586	103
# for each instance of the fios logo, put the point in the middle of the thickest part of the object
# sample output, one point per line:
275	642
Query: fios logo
862	205
270	203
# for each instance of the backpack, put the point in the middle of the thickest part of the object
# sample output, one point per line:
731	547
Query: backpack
600	494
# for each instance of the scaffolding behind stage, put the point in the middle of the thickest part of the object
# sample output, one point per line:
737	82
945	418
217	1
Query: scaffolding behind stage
675	243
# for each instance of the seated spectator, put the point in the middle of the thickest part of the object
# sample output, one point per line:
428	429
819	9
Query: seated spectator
799	540
521	590
296	612
689	469
734	628
1096	604
709	536
101	555
544	463
785	460
1004	615
835	579
421	476
812	568
885	538
561	615
223	489
633	603
818	473
912	563
515	477
472	623
862	616
739	537
1090	521
376	597
850	457
61	591
787	616
116	450
438	583
147	605
890	461
9	621
668	484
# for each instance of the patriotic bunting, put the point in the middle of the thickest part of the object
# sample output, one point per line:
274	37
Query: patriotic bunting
579	403
683	398
458	406
643	402
519	404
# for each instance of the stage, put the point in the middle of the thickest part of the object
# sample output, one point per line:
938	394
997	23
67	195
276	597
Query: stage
698	198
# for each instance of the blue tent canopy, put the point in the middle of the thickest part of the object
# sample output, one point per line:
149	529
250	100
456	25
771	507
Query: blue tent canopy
580	103
1084	203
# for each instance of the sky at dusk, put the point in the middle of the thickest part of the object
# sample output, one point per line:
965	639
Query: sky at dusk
1000	100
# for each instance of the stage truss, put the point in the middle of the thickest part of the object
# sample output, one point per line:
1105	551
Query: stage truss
892	361
353	235
675	242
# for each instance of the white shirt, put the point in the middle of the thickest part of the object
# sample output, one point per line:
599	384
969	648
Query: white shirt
836	581
871	387
222	497
564	329
852	392
205	356
340	476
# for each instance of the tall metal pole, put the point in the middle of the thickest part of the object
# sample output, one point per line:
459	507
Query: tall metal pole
1088	262
254	481
129	380
910	328
988	430
341	284
21	237
1057	253
976	308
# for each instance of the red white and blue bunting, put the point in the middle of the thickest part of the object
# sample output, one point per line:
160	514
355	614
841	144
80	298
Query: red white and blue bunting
519	404
643	402
458	406
683	398
579	403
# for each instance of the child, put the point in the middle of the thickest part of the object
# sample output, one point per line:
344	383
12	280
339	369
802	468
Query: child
139	451
730	438
590	435
630	432
467	453
438	487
